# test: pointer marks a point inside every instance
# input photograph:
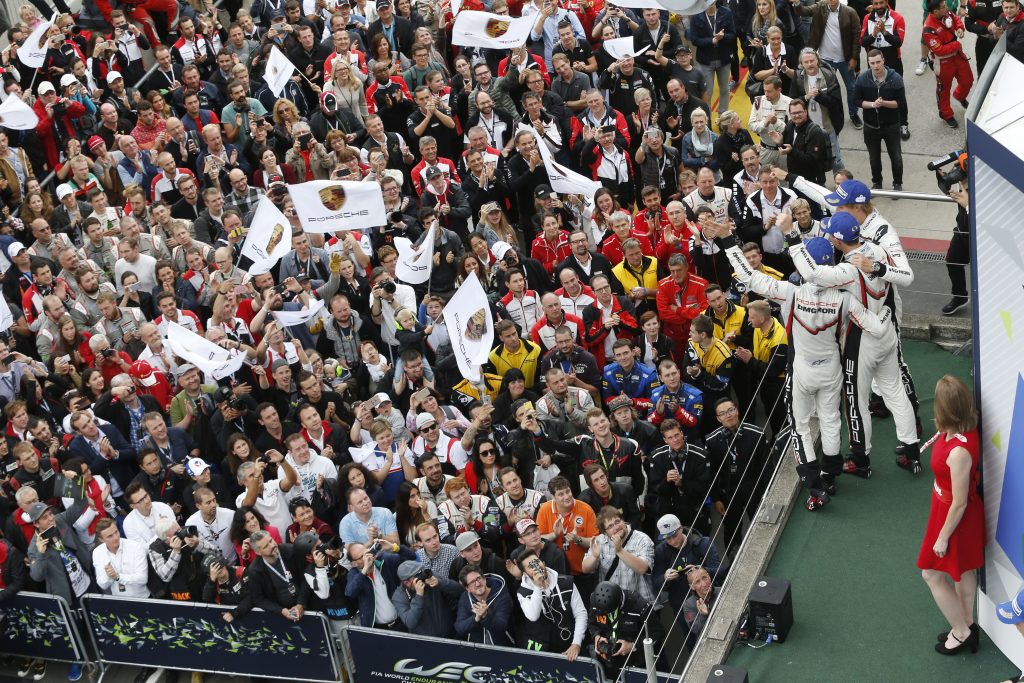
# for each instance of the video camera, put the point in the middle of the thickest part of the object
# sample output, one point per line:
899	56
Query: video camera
958	173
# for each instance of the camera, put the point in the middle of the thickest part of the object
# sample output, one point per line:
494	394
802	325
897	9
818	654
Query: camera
396	217
605	648
388	287
957	174
304	140
425	574
265	459
210	560
107	352
60	105
236	403
510	257
50	533
333	544
75	30
258	120
187	531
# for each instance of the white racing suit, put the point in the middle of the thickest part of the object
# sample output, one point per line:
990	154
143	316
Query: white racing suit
817	319
877	229
867	357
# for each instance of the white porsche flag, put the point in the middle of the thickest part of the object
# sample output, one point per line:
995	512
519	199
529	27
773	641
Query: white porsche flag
620	48
564	180
17	115
300	317
415	263
481	29
213	360
330	205
6	317
33	52
468	318
279	70
270	234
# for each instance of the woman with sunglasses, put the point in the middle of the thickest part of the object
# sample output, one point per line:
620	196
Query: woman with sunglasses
482	473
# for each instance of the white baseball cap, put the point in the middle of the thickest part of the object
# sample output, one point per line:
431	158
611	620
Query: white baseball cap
46	87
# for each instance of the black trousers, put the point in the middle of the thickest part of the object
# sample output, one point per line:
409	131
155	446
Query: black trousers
873	139
958	255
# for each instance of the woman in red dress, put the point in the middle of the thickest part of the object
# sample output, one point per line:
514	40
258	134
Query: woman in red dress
954	542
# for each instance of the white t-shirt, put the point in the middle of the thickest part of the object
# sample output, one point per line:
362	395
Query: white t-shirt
216	533
273	504
143	529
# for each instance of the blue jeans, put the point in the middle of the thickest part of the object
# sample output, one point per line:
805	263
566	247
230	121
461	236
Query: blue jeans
843	68
837	161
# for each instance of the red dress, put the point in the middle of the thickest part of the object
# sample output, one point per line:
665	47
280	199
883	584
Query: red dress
966	549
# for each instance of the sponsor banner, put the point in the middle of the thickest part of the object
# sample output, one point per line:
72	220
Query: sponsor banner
33	52
481	29
17	115
36	626
468	317
997	200
326	206
415	263
270	234
279	70
194	637
211	359
403	658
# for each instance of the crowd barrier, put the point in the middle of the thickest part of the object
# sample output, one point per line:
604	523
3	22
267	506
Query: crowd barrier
193	636
40	626
375	655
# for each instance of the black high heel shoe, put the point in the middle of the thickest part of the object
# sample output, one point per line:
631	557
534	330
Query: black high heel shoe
970	643
941	638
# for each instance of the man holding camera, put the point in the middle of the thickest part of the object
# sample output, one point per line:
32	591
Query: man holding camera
680	551
55	126
424	602
555	615
269	498
386	298
270	583
239	113
619	620
176	556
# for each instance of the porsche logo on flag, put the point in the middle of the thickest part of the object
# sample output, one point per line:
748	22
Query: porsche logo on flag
476	326
333	197
496	28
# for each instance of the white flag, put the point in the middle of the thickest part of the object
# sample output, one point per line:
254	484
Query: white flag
363	455
415	263
619	48
687	7
325	206
481	29
17	115
292	318
563	180
468	318
270	234
279	70
6	317
204	354
33	52
456	5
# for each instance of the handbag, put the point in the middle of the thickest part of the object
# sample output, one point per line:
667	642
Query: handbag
753	87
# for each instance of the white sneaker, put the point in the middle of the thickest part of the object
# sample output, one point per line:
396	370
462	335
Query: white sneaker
921	66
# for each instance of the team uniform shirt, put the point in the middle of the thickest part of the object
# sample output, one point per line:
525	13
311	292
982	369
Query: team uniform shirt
638	383
524	310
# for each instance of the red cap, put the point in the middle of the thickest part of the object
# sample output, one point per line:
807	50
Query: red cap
95	141
143	372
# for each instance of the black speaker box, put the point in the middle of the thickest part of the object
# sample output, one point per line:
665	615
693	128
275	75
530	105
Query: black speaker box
727	674
771	609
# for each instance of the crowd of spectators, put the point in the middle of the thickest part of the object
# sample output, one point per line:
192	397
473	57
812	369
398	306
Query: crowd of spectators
635	387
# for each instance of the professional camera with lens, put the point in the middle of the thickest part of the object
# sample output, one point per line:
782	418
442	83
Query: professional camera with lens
212	559
333	544
957	173
388	287
424	574
187	532
605	648
60	106
236	403
510	257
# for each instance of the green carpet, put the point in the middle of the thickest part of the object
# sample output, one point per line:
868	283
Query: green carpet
861	611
